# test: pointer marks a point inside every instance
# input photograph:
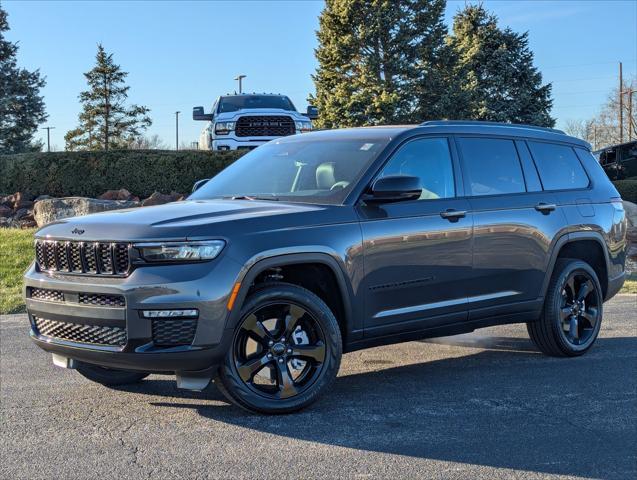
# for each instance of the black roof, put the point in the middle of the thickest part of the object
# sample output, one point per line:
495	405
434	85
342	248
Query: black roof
455	127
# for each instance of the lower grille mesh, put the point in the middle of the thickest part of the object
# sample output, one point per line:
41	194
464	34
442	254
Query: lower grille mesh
75	332
173	332
47	295
102	300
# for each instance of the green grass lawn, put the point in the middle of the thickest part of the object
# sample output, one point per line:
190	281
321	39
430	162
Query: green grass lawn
16	253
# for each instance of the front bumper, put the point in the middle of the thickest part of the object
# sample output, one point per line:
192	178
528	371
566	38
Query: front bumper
246	143
204	286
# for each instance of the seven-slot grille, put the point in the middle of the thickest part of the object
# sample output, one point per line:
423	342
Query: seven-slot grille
265	126
76	332
97	258
170	333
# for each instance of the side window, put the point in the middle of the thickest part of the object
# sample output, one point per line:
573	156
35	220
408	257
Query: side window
428	159
558	166
491	166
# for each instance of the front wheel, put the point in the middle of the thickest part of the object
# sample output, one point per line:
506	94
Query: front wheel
572	314
285	353
109	377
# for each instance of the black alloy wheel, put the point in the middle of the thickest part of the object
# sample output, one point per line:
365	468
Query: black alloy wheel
286	350
580	308
572	313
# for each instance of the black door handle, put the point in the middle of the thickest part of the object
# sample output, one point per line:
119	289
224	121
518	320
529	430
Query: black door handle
453	215
545	208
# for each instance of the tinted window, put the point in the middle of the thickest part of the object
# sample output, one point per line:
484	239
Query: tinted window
239	102
558	166
428	159
491	166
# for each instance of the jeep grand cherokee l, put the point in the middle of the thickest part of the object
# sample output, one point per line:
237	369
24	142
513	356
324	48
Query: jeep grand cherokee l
318	244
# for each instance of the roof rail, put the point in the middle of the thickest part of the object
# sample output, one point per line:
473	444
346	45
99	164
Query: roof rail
442	123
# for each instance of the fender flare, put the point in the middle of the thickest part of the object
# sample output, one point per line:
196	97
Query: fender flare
249	273
573	237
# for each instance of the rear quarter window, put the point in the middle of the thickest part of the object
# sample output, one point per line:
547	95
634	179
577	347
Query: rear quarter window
558	166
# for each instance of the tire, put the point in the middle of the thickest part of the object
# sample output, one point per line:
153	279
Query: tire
572	314
109	377
274	317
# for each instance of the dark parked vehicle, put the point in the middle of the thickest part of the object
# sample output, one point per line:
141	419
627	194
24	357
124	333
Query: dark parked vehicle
619	161
323	243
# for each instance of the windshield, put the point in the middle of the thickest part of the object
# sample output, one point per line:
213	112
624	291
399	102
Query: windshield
239	102
321	171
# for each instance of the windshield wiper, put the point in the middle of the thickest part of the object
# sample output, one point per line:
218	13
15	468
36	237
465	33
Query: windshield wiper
252	197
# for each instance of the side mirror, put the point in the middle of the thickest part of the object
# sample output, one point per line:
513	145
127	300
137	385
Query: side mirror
198	184
197	114
394	188
312	112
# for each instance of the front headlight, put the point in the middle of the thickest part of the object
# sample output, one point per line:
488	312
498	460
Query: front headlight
181	252
303	126
224	128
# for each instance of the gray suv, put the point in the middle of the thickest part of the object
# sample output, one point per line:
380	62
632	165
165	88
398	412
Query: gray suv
332	241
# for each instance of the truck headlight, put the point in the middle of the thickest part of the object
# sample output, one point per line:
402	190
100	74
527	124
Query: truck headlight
224	128
303	126
181	252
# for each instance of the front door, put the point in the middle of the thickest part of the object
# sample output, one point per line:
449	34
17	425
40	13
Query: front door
417	253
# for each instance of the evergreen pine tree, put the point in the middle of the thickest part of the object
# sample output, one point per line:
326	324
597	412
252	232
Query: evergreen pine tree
379	62
21	105
105	121
495	71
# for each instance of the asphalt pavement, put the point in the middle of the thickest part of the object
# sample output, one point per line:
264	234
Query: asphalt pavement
483	405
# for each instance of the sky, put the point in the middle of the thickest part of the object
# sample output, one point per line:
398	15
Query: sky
185	54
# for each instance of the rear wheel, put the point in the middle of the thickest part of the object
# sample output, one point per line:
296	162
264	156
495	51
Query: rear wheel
286	351
109	377
572	314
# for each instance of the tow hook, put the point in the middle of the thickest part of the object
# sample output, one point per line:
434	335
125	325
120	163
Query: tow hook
63	362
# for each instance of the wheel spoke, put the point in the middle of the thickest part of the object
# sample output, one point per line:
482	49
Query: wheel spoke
315	352
254	326
570	283
288	320
284	381
565	313
574	328
591	316
249	368
584	289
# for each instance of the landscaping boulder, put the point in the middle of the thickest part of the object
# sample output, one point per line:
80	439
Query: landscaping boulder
121	194
52	209
5	211
158	198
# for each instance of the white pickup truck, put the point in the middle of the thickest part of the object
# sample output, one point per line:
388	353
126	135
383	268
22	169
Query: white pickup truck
245	121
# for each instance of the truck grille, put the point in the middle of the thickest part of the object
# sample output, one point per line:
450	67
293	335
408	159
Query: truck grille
169	333
75	332
93	258
265	126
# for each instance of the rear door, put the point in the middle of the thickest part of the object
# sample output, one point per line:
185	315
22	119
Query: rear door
417	253
515	222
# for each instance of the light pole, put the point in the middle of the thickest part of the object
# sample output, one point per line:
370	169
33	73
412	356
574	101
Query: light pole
48	137
177	130
240	78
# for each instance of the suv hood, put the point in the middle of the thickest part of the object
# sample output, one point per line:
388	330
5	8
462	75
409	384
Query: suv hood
194	219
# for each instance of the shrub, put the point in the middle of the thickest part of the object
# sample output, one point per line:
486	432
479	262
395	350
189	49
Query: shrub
89	174
627	189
